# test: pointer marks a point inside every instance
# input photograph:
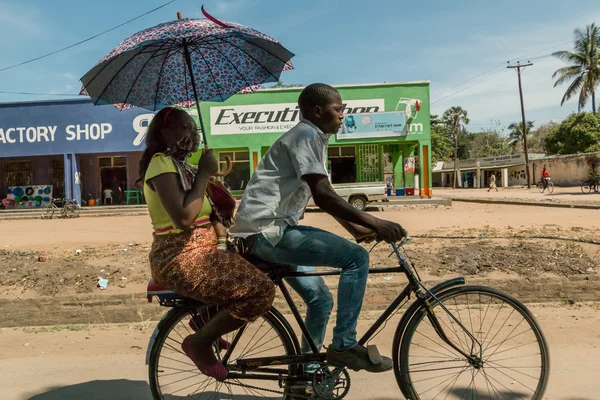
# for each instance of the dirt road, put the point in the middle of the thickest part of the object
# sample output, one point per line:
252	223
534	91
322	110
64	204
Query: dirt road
72	234
107	362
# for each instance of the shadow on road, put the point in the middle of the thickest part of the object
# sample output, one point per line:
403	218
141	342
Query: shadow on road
118	389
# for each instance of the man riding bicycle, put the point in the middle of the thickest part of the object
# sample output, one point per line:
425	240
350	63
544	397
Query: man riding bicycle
545	177
292	171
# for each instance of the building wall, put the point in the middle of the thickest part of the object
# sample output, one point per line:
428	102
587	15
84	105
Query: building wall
568	170
516	176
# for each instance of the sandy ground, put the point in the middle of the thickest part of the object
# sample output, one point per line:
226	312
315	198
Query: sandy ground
107	362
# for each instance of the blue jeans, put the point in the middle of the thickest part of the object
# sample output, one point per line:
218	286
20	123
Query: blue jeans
306	247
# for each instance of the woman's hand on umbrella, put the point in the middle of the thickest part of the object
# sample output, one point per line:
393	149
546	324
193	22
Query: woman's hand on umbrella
208	164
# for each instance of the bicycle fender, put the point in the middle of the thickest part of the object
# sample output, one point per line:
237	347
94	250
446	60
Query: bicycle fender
168	315
287	327
410	312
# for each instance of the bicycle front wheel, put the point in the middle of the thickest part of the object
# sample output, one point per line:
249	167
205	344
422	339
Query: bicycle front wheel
514	362
72	210
174	376
550	187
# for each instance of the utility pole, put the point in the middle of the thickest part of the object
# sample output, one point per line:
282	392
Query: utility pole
524	127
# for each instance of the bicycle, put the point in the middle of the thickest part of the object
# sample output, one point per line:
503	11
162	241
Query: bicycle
67	208
549	185
435	353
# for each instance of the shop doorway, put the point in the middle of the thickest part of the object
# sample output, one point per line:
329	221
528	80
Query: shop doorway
107	176
111	168
342	164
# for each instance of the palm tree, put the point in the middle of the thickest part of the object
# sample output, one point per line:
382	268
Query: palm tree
584	67
516	133
455	118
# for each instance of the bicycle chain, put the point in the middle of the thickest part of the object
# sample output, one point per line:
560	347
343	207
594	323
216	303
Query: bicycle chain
294	396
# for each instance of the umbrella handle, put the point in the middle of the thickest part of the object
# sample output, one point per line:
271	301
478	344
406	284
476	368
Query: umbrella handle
227	169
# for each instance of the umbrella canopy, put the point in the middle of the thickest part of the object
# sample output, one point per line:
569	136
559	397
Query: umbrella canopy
186	61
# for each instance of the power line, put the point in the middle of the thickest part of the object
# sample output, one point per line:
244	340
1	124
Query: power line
469	86
85	40
497	66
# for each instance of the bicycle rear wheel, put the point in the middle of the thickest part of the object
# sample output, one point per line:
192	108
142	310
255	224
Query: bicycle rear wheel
540	187
48	211
515	363
173	375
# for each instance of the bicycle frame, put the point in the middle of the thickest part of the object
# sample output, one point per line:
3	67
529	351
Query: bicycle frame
414	285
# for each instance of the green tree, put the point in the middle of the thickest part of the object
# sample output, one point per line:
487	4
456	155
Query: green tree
487	144
281	84
580	133
455	118
515	136
584	67
441	144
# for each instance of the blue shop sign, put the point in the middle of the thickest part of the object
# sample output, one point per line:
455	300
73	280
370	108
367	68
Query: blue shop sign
70	127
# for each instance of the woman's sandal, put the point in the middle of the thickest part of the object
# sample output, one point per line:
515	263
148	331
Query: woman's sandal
217	371
196	324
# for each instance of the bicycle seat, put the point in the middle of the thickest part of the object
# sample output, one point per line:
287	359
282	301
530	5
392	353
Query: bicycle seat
160	291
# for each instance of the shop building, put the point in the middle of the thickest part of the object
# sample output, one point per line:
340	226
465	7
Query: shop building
245	126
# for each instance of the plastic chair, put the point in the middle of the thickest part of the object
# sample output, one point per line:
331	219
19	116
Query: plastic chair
108	195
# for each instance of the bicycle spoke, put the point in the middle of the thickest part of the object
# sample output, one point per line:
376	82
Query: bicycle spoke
500	383
507	336
448	353
179	361
500	366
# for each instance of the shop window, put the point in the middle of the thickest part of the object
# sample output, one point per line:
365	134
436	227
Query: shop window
119	161
239	176
105	161
18	173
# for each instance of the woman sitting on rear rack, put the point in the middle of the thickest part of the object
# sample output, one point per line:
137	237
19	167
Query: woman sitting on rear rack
185	255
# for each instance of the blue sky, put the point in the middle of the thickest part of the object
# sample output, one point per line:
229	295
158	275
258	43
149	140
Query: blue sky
336	42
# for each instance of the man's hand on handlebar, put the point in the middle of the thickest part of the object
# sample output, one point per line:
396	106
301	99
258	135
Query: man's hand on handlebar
389	232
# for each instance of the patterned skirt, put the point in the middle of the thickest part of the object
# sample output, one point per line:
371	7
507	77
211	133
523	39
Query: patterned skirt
190	264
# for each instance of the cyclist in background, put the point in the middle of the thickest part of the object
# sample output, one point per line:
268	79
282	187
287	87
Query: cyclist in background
545	177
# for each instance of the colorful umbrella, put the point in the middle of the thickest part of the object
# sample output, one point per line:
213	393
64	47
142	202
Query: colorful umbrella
184	62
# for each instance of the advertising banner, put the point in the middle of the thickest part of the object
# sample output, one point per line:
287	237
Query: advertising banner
373	125
409	164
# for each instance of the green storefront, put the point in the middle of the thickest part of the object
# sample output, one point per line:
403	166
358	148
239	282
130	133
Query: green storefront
246	125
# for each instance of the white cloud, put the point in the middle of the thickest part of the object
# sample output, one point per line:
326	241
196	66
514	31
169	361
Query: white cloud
70	76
